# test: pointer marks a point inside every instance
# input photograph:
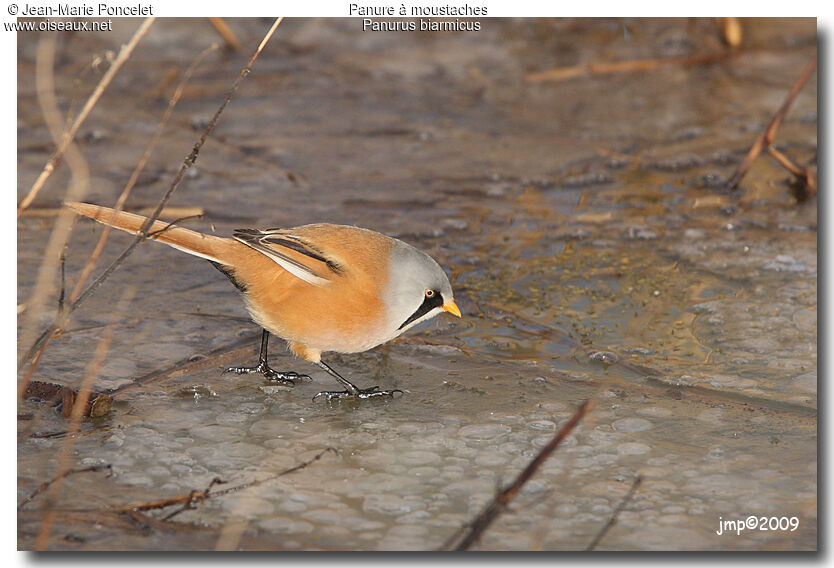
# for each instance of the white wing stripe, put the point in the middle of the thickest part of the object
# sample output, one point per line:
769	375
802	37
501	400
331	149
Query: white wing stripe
294	268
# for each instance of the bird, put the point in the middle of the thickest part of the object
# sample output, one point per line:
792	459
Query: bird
320	287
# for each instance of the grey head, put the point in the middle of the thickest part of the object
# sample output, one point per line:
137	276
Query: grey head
417	289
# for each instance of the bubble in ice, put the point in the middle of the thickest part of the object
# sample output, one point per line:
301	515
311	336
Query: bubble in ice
418	457
414	517
806	382
425	472
673	509
286	525
387	504
633	448
418	427
487	431
157	471
655	411
327	516
247	507
785	263
603	356
135	479
711	415
490	459
542	425
471	486
114	442
632	424
215	432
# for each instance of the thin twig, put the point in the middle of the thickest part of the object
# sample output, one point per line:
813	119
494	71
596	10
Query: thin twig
66	473
175	211
79	184
501	501
138	170
189	503
77	413
606	68
227	34
189	161
767	137
807	175
731	31
159	90
613	519
188	500
61	319
69	135
142	235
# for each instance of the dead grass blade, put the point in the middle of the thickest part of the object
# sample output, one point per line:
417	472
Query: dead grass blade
189	161
613	519
475	528
138	170
767	137
195	497
79	183
607	68
227	34
69	135
62	317
66	473
76	415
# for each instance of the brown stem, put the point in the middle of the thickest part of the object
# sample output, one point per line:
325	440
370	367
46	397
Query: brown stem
767	137
501	500
69	135
613	519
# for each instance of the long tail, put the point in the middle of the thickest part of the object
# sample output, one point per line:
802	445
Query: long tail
215	249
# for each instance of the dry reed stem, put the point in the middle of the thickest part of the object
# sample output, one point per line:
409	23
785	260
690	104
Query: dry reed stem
138	170
188	500
69	135
76	415
731	31
62	317
768	135
227	34
606	68
184	211
613	518
65	473
503	498
159	90
808	175
79	183
143	234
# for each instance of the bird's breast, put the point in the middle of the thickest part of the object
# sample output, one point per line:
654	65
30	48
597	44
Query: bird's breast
333	317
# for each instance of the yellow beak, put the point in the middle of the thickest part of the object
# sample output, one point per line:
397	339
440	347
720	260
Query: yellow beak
452	308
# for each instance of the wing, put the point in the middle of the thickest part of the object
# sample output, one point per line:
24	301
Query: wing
294	254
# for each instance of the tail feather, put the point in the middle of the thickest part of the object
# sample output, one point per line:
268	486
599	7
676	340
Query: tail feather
205	246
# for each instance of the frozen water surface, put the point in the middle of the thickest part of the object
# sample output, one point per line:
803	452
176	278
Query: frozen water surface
591	249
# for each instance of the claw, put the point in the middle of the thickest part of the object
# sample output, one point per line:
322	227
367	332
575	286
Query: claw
285	378
361	393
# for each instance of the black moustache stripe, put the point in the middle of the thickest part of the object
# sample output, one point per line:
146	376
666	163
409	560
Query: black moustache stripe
428	305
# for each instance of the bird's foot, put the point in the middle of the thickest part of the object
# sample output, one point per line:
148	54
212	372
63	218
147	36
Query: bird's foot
270	374
360	393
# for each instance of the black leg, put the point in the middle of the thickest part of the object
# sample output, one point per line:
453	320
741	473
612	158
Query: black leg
287	378
351	389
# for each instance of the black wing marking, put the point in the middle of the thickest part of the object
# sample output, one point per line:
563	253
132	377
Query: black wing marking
261	241
294	243
230	274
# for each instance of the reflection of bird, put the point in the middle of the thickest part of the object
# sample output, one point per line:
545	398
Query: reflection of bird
321	287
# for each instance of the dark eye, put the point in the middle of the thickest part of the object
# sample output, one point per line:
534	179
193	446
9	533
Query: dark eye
430	293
